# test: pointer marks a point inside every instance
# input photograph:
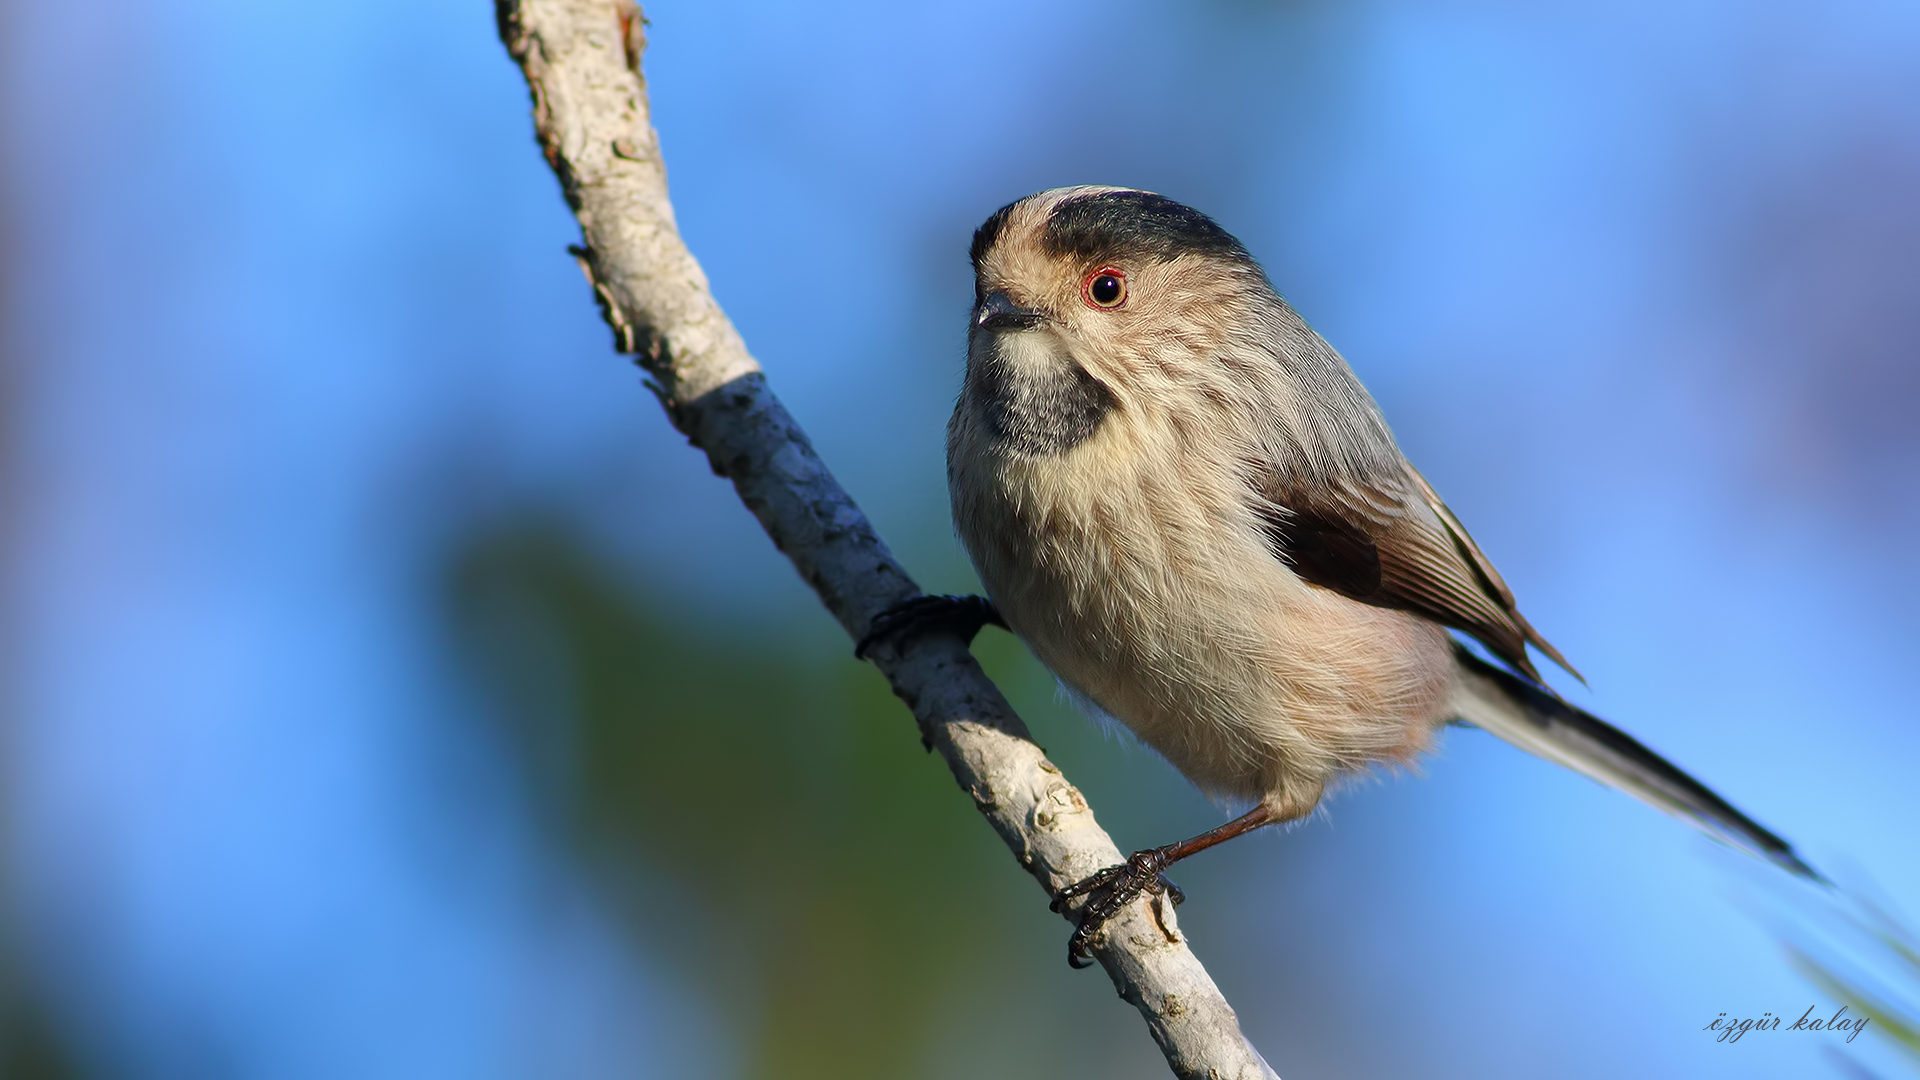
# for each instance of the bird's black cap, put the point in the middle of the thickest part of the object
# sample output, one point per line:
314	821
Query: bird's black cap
1120	226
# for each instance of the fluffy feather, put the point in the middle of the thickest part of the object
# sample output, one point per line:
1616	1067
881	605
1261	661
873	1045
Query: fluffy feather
1137	562
1194	514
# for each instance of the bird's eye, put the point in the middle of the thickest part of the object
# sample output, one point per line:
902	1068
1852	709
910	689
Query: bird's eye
1105	288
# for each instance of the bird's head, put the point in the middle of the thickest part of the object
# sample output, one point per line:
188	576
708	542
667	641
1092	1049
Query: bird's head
1108	267
1091	297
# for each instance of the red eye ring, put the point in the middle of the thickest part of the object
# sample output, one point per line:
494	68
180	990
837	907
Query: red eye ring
1105	288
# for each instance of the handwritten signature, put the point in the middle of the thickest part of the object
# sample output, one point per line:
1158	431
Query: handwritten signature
1731	1030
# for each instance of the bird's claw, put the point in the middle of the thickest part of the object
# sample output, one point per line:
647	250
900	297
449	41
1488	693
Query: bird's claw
1109	892
961	615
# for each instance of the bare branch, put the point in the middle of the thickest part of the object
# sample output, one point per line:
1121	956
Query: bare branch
582	63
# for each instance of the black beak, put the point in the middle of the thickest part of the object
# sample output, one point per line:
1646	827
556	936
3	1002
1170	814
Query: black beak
999	312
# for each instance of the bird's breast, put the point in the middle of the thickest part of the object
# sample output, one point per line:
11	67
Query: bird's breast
1135	568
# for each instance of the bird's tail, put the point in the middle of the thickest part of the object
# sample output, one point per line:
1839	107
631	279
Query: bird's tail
1540	723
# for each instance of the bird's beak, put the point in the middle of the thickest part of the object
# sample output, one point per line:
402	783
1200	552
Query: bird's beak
999	312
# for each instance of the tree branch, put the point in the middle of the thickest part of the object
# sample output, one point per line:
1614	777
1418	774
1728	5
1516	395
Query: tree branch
581	59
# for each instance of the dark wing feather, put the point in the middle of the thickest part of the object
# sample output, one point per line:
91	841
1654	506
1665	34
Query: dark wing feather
1326	551
1490	577
1392	543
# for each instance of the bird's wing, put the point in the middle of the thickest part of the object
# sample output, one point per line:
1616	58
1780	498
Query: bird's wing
1389	541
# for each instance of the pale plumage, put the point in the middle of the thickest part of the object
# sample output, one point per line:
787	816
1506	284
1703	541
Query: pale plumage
1139	562
1189	508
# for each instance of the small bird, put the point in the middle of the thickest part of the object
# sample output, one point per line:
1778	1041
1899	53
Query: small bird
1186	505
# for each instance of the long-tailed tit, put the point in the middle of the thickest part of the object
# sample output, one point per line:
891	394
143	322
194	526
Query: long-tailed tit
1188	507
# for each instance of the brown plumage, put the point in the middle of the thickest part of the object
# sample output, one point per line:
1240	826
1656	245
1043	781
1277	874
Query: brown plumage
1253	584
1186	504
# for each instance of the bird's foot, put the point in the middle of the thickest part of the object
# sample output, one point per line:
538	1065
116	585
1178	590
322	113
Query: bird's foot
962	616
1109	892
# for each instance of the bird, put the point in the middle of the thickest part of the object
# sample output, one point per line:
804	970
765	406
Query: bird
1185	503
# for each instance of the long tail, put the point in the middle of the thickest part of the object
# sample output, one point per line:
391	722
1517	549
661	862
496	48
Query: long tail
1540	723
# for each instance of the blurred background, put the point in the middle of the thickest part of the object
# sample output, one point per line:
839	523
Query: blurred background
387	691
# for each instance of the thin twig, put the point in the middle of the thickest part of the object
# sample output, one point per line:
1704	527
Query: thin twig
582	63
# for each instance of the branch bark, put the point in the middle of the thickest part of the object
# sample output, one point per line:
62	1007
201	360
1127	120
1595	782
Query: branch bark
581	59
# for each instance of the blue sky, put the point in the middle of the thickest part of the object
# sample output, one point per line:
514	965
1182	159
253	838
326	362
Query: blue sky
1634	283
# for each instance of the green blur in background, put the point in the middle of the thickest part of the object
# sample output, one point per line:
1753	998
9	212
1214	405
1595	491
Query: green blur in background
388	691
